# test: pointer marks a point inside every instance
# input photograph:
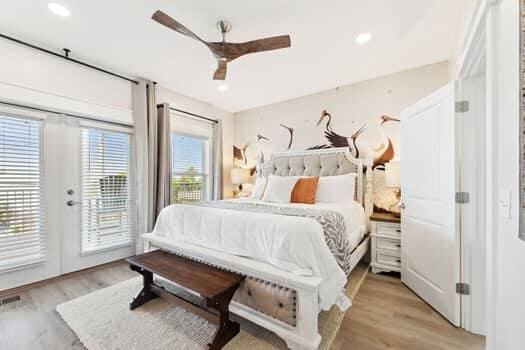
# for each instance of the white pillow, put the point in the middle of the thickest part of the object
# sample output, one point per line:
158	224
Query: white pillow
279	189
336	189
258	188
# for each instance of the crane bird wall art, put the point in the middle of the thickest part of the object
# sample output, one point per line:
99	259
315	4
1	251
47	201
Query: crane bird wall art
367	138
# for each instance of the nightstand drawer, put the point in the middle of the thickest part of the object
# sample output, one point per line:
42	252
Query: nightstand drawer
386	229
386	259
388	244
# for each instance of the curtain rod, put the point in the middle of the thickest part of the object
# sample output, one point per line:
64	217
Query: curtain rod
67	58
192	114
66	114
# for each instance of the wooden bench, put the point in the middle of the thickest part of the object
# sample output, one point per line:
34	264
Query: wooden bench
216	288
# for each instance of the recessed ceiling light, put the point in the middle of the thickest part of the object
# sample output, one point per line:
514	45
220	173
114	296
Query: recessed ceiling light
363	38
58	9
222	87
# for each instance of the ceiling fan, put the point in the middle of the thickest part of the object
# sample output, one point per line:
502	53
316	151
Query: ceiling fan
224	51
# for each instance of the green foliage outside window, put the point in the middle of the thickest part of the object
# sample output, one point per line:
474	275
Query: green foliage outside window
187	187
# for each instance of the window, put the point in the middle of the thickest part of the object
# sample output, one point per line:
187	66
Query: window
190	168
106	194
22	220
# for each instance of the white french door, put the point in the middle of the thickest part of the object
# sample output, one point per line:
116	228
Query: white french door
29	243
66	195
97	194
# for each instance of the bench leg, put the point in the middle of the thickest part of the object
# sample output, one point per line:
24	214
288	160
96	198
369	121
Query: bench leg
145	294
227	329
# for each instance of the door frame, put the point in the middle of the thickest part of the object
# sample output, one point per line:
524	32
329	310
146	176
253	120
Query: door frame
479	46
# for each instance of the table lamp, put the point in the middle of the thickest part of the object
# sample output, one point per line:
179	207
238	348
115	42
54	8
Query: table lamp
240	176
393	179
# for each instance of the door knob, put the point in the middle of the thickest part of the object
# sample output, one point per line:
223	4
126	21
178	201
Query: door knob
403	206
72	203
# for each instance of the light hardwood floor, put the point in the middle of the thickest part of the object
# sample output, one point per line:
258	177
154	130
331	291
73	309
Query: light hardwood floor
385	315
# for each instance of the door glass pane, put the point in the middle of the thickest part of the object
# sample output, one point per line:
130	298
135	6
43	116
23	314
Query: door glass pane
22	239
106	197
190	168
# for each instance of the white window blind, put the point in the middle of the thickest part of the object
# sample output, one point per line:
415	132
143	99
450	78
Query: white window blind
22	220
107	199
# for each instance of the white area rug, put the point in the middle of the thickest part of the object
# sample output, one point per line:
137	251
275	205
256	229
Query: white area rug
102	321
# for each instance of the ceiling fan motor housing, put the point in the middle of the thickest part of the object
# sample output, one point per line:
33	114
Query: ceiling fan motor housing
224	26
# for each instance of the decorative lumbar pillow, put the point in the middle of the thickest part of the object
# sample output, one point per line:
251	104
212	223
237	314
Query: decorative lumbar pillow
279	189
336	189
305	190
258	188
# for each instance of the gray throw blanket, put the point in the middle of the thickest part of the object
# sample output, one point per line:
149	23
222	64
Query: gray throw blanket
332	222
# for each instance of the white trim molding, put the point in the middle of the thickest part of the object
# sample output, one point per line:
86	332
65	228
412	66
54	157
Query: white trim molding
472	35
480	45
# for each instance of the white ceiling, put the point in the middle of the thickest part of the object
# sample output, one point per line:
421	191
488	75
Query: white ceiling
119	35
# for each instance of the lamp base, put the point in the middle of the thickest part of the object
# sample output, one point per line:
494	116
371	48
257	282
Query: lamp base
239	193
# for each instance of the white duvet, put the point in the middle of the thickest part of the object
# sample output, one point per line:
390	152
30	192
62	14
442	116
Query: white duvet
290	243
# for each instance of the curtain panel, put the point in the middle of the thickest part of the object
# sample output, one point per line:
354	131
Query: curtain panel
217	179
153	156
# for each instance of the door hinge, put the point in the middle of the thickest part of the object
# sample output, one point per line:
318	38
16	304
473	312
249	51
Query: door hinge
463	288
462	106
462	197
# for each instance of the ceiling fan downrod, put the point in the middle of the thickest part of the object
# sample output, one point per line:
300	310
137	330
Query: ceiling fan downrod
224	27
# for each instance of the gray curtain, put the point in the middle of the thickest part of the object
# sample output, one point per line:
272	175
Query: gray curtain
162	177
153	156
217	183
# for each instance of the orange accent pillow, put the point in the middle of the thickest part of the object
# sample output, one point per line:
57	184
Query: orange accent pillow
305	190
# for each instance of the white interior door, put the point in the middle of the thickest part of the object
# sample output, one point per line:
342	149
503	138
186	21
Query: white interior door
430	239
98	202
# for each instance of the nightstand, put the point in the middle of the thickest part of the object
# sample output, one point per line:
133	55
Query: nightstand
386	243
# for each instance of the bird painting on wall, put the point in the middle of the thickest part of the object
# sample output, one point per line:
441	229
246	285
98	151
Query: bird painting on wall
262	137
290	130
260	155
328	116
328	128
239	153
359	147
337	140
361	144
384	152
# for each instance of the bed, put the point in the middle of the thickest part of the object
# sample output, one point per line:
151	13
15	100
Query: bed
291	254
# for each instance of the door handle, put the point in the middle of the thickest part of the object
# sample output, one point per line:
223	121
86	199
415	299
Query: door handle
403	206
72	203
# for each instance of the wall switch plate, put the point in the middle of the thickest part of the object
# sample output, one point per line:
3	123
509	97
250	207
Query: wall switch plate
504	203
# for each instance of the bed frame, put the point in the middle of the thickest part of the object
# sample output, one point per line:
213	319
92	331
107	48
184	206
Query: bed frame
304	335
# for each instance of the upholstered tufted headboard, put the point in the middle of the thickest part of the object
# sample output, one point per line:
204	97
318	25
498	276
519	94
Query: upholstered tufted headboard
325	162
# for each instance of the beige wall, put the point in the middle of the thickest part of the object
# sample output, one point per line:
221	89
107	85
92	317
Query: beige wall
351	107
189	104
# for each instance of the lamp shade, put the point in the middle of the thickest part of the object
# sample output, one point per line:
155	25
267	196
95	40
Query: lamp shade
393	173
240	176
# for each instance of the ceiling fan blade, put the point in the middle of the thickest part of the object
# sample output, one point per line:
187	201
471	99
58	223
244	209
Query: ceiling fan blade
166	20
220	73
266	44
232	51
